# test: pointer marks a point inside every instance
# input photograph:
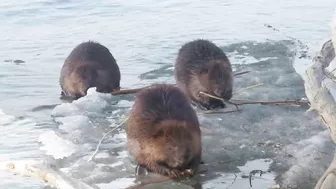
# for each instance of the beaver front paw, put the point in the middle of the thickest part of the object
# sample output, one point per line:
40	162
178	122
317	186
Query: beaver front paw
163	169
210	105
216	104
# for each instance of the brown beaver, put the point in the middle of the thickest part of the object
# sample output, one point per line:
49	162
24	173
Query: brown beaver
163	132
90	64
202	66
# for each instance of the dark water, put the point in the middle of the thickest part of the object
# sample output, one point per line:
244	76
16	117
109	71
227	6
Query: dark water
144	37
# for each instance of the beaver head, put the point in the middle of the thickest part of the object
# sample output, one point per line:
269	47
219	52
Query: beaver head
216	78
80	80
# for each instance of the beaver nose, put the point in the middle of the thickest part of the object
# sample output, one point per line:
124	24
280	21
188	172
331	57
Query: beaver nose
227	94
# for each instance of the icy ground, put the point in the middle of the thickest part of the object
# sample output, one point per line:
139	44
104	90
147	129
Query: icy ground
292	146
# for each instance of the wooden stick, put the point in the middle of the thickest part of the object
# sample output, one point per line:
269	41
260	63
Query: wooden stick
211	96
127	91
253	172
250	87
296	102
130	91
242	102
218	98
220	112
101	140
241	73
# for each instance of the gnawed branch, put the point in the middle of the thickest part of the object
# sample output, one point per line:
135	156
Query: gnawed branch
131	91
279	102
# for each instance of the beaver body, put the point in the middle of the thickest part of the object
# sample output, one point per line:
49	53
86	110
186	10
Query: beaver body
163	132
202	66
90	64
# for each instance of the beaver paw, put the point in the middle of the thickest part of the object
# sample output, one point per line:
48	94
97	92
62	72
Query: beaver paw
175	173
201	105
216	104
211	105
163	169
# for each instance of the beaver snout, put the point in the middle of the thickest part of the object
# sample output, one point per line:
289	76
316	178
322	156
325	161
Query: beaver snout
225	94
181	157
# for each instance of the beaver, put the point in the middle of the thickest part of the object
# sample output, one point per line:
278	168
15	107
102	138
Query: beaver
202	66
163	132
89	64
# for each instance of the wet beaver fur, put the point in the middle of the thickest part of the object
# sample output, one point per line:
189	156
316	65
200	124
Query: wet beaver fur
202	66
163	132
90	64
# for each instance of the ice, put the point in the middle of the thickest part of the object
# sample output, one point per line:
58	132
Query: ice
93	102
21	182
266	131
20	135
56	146
238	181
5	119
284	141
81	124
309	155
332	67
117	184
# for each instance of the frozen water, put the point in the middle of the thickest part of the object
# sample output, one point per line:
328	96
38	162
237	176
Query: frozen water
63	148
295	142
307	161
144	37
5	119
82	124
